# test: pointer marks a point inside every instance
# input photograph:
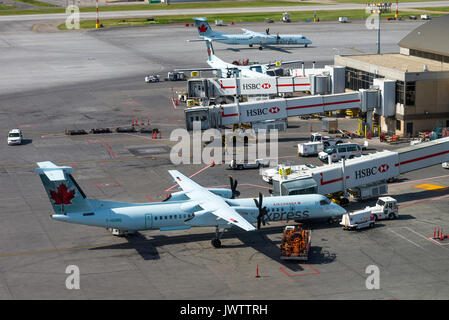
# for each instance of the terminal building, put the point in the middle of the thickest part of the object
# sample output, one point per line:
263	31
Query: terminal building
419	75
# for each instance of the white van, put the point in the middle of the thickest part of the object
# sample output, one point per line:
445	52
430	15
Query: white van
338	152
15	137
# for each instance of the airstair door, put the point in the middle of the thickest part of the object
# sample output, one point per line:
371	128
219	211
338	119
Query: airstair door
148	221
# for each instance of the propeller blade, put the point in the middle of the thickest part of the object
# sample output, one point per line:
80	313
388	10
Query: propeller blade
262	211
256	202
234	183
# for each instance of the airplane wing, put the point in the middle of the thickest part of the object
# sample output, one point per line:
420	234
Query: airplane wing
253	33
204	38
198	69
210	202
284	62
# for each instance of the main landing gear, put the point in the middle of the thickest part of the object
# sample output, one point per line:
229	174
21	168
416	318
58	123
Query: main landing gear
216	242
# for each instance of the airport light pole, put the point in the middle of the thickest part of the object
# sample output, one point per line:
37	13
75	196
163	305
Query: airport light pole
379	8
97	25
397	9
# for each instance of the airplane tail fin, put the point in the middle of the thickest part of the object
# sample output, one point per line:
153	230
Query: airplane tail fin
64	193
203	27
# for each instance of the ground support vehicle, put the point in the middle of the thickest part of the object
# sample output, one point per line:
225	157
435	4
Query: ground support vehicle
295	244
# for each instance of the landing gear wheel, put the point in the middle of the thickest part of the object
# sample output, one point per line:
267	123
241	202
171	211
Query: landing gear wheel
216	243
260	48
305	46
250	45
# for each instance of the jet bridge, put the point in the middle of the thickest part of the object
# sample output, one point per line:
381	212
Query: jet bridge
368	170
272	109
316	81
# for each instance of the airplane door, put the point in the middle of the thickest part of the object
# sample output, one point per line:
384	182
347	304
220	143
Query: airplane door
148	221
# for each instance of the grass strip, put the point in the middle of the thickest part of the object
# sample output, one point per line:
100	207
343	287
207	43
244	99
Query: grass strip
228	18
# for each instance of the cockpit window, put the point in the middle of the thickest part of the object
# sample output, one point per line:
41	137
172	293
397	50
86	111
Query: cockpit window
324	202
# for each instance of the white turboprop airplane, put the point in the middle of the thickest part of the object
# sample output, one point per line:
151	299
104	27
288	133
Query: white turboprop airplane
243	69
248	37
195	206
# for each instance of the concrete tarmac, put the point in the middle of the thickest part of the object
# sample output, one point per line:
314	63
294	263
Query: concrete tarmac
65	89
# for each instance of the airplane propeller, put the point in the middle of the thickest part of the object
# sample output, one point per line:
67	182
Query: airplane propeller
262	211
233	183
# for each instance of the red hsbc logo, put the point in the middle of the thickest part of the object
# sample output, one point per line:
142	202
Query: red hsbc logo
266	86
274	110
367	172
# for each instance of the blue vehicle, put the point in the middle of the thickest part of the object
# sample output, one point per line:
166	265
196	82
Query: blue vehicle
194	206
248	37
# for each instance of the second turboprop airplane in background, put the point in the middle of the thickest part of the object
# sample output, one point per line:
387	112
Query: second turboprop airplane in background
235	69
248	37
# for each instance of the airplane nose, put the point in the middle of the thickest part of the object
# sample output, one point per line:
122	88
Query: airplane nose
338	210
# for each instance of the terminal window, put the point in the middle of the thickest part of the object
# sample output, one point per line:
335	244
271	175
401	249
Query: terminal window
357	79
400	92
410	91
429	55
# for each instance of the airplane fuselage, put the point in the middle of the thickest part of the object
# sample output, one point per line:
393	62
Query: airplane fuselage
260	40
177	215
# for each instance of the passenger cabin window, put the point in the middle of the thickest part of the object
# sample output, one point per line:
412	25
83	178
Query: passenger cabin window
351	148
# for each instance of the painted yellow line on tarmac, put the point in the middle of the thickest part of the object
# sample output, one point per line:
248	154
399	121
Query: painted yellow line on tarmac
430	187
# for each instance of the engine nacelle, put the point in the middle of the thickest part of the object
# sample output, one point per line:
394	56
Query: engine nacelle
180	195
176	196
224	193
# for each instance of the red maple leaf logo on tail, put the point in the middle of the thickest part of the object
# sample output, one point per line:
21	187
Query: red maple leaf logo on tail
63	196
202	28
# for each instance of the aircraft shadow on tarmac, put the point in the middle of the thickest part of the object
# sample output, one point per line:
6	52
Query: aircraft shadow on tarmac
147	247
280	49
